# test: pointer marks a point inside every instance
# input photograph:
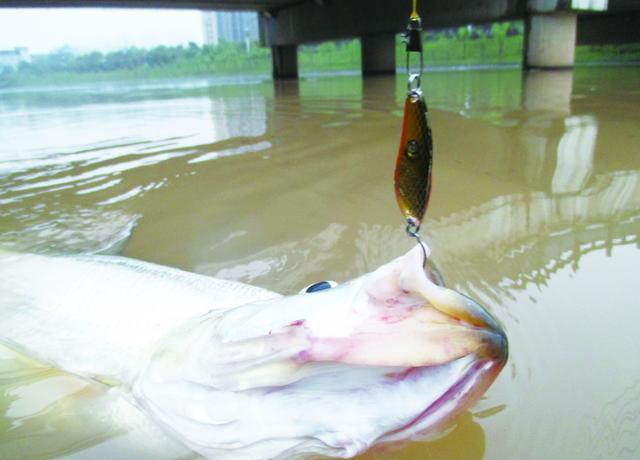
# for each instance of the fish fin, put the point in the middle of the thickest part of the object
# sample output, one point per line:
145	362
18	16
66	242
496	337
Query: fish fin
13	361
53	412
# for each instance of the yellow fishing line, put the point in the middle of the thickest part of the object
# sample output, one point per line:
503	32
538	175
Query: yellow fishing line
414	12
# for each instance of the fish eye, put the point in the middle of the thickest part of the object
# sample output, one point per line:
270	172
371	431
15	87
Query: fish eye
319	286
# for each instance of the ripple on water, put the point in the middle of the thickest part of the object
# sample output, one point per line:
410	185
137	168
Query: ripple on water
82	231
535	213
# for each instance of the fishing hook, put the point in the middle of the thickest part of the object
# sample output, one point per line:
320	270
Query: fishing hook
413	229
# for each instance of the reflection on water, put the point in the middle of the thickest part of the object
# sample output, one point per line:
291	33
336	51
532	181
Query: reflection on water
535	212
549	94
575	155
548	91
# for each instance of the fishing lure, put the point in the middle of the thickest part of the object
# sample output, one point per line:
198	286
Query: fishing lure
415	158
412	176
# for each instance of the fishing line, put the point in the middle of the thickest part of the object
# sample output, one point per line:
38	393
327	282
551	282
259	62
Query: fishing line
413	41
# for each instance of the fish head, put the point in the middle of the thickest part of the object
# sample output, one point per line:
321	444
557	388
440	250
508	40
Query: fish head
388	356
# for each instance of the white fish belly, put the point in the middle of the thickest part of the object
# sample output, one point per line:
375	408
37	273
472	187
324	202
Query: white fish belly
100	316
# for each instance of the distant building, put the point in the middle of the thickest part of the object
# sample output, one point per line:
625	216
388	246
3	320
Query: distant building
209	28
236	27
230	27
13	58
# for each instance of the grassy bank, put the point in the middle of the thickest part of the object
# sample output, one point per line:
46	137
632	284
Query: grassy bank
63	66
497	44
608	54
175	70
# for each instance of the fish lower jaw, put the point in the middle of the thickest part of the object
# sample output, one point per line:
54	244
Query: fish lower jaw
439	414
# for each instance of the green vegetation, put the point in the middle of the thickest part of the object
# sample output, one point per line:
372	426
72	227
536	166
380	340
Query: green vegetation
341	55
598	54
494	44
63	66
500	43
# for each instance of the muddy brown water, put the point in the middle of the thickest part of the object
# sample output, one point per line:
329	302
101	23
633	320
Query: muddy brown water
535	212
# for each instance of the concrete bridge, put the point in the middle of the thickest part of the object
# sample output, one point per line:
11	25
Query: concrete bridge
552	27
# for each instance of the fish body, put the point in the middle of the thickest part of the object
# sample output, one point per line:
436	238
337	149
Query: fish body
100	316
415	158
237	372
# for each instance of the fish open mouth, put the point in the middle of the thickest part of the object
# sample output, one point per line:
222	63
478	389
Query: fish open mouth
386	357
476	375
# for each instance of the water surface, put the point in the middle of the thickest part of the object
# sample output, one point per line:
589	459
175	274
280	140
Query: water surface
535	212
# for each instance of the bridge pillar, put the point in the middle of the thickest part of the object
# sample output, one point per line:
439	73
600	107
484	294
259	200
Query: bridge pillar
284	61
550	40
378	54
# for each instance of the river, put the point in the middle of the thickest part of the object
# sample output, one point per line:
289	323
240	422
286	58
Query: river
535	212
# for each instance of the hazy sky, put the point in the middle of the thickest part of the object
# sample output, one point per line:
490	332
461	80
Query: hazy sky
43	30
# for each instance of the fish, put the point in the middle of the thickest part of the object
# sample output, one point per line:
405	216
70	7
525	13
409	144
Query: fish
235	372
413	171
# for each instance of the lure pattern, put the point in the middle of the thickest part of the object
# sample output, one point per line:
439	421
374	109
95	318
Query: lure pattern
414	163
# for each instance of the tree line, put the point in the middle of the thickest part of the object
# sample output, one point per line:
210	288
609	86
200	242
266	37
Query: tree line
465	44
224	56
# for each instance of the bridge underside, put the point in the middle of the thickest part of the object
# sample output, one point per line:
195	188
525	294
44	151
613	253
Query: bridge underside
552	27
229	5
